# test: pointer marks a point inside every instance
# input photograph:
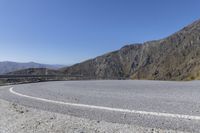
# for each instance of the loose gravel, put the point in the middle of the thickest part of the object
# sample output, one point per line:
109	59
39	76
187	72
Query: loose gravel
19	119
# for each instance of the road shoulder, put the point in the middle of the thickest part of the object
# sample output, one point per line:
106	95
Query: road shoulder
16	118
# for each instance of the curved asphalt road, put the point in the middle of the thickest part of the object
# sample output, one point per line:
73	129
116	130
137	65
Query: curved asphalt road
157	104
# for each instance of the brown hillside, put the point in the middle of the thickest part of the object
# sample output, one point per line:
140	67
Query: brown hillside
176	57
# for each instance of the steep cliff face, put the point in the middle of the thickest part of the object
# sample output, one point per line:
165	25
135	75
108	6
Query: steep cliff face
176	57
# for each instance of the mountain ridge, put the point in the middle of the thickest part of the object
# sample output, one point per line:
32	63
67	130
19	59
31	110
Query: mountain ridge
176	57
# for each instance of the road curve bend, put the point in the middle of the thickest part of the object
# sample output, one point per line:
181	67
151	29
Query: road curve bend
157	104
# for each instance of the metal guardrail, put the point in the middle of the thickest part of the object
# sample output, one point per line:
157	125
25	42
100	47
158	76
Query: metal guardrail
53	77
38	76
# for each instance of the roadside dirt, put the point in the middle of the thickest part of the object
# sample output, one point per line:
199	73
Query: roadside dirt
19	119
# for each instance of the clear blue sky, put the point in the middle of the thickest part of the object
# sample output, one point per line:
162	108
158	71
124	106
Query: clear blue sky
70	31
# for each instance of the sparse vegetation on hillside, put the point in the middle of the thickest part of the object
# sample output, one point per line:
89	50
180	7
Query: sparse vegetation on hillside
176	57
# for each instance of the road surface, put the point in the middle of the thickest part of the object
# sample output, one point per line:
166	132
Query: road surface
154	104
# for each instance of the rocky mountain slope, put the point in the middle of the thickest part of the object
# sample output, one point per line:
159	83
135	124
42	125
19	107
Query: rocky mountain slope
7	66
176	57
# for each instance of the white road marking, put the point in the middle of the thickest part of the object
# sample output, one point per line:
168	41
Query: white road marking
109	108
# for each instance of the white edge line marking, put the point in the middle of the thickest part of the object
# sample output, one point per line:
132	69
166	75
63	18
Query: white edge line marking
109	108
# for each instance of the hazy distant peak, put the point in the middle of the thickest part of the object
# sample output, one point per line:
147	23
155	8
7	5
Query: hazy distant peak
9	66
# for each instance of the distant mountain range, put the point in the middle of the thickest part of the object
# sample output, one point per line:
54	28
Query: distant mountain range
8	66
176	57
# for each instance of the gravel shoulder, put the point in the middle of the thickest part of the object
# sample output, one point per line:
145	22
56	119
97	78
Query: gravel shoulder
16	118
